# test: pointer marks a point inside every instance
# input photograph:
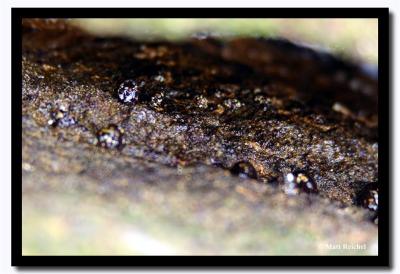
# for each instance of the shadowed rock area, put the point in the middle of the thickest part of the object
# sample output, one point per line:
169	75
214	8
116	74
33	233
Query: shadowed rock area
155	169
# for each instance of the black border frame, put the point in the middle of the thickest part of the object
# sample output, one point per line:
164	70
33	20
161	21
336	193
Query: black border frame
383	259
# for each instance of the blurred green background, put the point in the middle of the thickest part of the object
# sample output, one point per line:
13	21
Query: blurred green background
355	39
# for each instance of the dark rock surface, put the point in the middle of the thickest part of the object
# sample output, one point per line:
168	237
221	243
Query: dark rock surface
203	106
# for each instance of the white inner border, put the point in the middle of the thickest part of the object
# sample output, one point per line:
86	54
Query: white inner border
5	107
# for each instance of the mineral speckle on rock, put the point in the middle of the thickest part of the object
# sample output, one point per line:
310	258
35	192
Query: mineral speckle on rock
110	137
201	101
157	100
60	117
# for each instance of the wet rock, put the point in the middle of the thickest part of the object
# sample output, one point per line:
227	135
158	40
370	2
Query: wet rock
246	113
